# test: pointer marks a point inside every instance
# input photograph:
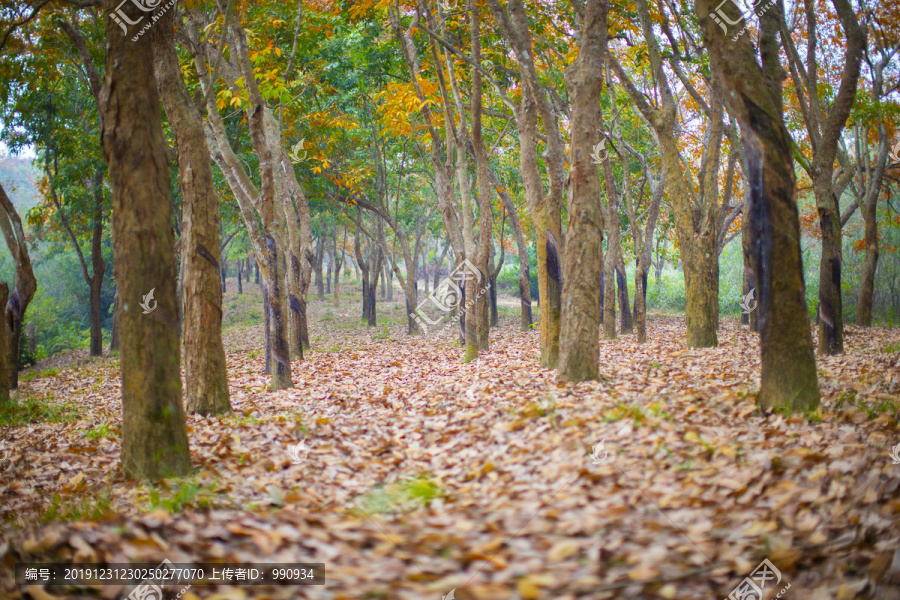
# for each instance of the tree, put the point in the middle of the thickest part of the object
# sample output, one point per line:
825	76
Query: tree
579	352
206	380
695	208
154	436
824	127
753	92
25	284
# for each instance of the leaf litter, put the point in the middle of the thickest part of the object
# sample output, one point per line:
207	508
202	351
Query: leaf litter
421	474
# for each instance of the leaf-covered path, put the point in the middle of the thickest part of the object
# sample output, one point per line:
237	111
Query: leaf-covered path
423	475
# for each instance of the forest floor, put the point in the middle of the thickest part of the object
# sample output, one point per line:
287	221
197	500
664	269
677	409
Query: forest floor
421	475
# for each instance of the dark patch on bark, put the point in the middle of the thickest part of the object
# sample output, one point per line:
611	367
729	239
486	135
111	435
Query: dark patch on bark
205	253
553	266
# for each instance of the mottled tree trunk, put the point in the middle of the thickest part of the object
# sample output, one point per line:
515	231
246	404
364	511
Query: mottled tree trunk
870	217
25	283
206	379
754	95
320	257
98	266
622	285
328	273
4	351
154	434
613	244
546	215
114	334
485	207
579	343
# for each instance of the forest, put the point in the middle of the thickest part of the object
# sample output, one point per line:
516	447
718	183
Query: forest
450	299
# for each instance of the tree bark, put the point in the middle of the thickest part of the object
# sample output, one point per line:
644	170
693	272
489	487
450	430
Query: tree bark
25	284
579	343
485	207
206	378
546	212
4	351
154	436
627	325
754	96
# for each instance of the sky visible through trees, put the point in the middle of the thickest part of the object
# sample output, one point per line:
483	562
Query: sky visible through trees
477	299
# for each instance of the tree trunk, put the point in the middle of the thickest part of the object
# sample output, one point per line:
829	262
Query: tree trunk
622	285
522	250
206	379
872	191
114	334
320	256
154	434
256	270
267	318
376	262
613	243
25	283
4	351
754	97
98	267
579	343
485	207
751	318
328	273
338	264
240	276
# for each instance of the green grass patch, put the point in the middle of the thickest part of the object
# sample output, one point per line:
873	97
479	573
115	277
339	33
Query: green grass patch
623	410
100	431
94	506
24	409
403	496
33	374
181	495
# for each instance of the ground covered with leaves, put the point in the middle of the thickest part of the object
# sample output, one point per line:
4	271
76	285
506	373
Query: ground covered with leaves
420	475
